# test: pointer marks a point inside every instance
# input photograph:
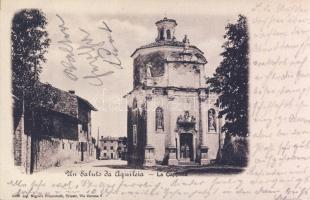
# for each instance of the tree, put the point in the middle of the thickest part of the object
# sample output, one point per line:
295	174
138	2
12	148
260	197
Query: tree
29	45
230	81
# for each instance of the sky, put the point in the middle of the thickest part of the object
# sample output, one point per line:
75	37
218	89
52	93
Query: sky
128	32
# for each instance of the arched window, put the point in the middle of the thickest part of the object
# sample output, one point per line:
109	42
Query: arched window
168	34
159	118
211	120
161	36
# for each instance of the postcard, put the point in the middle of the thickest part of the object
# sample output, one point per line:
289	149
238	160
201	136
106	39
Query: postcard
155	100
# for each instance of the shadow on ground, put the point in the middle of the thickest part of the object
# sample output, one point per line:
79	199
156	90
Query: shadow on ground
119	166
184	170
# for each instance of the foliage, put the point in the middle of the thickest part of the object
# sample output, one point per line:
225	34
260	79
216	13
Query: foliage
29	46
235	151
45	96
230	80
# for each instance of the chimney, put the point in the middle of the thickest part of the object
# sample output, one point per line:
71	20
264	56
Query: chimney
71	91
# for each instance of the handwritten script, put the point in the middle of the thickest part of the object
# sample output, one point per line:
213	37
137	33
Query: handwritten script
280	119
98	54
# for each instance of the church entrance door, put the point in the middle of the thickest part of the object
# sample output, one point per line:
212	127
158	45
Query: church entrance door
186	147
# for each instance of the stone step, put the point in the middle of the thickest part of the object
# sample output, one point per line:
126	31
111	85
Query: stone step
191	163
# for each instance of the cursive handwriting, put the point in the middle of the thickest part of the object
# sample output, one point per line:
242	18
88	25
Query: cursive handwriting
66	46
96	52
100	55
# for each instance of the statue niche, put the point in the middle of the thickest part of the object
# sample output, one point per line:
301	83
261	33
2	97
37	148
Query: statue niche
159	118
148	66
155	64
211	120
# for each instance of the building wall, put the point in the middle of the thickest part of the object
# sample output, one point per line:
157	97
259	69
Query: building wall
36	149
174	104
52	152
212	137
181	75
22	146
172	108
17	141
158	138
136	116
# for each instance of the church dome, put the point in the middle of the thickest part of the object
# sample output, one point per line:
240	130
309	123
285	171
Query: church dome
166	37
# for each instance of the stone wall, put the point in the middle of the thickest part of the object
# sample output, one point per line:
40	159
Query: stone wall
21	146
38	152
50	152
17	142
53	152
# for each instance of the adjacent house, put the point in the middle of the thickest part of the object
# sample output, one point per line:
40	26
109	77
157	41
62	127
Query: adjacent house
112	148
53	135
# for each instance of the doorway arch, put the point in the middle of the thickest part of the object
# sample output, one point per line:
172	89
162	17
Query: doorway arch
186	147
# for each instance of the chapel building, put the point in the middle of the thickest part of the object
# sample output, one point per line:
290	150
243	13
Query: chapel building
172	118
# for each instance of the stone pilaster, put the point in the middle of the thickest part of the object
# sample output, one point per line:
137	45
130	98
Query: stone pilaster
149	159
172	155
149	155
171	149
204	155
204	127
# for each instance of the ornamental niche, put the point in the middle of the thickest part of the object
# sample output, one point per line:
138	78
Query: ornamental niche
186	121
211	120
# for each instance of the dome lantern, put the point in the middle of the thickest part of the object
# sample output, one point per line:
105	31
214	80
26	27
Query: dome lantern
166	28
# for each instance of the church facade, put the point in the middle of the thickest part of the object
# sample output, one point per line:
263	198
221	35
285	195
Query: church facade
172	118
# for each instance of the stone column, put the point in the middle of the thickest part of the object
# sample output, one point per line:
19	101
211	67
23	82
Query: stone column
204	126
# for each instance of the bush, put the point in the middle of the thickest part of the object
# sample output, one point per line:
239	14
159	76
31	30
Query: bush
235	152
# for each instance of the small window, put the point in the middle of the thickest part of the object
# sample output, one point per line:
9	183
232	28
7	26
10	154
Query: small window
111	147
105	147
111	155
104	155
70	145
63	145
